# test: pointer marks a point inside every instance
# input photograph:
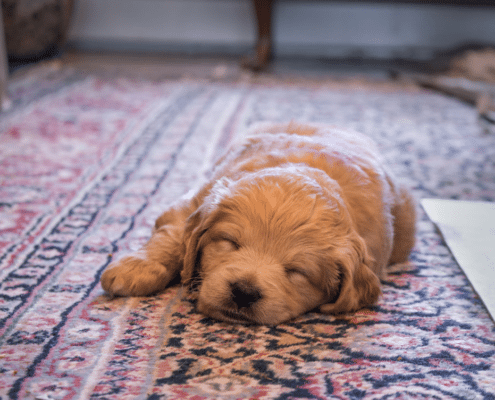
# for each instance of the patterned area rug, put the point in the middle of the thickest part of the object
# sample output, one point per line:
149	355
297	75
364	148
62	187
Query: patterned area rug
88	163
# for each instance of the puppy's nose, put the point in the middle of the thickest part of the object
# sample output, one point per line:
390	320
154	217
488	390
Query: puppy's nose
244	293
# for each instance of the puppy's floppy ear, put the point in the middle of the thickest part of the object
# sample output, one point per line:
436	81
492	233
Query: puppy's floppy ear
359	286
196	225
193	232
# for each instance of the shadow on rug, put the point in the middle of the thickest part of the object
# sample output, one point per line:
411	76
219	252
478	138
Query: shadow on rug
88	163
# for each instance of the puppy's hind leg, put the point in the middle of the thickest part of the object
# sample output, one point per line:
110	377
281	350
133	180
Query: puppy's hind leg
150	269
404	213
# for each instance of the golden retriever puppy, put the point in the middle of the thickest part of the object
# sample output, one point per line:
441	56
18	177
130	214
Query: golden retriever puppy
295	217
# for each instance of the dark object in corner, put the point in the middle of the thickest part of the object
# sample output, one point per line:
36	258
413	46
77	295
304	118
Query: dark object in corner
35	30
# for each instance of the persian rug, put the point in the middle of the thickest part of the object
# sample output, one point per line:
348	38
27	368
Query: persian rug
87	164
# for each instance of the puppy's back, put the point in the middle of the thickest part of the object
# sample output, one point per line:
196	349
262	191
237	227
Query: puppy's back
332	137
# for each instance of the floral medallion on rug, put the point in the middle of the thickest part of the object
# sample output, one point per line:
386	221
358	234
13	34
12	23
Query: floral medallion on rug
86	165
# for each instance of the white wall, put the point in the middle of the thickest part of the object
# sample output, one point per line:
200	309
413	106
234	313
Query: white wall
314	28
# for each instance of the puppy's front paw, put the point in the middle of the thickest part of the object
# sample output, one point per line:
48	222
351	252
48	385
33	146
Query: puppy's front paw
134	276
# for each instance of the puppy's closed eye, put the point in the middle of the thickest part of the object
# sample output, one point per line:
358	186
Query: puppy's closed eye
295	273
224	244
216	249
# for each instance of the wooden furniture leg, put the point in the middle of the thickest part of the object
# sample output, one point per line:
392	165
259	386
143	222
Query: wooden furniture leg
263	52
4	69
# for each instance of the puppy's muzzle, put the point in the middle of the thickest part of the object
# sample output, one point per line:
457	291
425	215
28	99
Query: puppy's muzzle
244	293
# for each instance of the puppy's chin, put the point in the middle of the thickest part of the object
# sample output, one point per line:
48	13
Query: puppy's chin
229	314
261	314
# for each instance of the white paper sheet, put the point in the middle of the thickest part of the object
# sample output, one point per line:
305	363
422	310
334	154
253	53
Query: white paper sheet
468	228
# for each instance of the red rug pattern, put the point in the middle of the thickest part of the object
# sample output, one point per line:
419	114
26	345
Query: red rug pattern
87	164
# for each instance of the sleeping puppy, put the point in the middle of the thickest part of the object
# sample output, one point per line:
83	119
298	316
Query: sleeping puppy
295	217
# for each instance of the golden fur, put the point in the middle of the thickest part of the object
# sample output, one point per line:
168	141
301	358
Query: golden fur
295	217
